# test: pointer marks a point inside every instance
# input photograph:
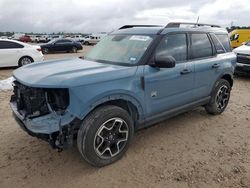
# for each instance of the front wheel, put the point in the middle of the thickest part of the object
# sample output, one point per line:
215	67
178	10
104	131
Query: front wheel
104	135
219	98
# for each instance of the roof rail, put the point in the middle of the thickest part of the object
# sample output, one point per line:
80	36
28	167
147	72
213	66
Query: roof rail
131	26
177	24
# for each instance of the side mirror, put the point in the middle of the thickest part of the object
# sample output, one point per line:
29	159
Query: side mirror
164	61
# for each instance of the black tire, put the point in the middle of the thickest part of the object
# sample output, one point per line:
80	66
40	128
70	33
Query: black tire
25	61
86	43
219	98
45	50
89	134
74	49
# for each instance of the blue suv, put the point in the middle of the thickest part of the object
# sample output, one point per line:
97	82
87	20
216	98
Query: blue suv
134	77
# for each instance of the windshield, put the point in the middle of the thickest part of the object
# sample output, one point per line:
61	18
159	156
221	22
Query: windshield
126	49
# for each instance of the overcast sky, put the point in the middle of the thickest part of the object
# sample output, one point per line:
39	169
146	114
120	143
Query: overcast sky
106	15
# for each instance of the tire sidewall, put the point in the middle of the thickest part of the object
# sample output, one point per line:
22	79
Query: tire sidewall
74	49
86	139
218	85
20	62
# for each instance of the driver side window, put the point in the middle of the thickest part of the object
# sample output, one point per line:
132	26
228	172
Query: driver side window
174	45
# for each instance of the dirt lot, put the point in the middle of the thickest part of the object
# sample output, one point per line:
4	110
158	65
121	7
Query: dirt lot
191	150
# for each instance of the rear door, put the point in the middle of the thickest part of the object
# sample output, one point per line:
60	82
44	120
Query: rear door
168	88
63	45
9	53
208	65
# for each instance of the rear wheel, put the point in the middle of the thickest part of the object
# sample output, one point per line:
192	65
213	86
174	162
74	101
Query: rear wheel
220	97
104	135
86	43
24	61
74	50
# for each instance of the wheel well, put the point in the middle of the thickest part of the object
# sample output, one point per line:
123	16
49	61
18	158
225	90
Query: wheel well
19	61
27	57
126	105
228	78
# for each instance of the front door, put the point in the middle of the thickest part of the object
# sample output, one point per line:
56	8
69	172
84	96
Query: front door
169	88
9	53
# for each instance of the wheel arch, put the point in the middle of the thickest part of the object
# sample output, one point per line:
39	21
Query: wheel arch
124	101
228	77
23	56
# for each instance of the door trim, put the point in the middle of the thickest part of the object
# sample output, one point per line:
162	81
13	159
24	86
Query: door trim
171	113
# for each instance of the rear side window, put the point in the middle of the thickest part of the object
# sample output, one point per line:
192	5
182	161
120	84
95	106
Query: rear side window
9	45
174	45
200	46
218	44
63	41
225	42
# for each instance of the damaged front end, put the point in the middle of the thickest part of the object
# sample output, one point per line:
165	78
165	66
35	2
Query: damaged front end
44	113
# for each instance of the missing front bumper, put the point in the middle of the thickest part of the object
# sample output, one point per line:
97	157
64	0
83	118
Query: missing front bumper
47	128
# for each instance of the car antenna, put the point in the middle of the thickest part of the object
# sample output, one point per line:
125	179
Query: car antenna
197	21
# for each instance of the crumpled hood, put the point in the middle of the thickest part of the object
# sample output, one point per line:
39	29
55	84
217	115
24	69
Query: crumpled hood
68	73
242	50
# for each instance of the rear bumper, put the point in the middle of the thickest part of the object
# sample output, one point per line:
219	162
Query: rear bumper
39	58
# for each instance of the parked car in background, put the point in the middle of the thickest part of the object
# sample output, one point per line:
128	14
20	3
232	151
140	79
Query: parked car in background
43	39
17	36
91	40
51	37
135	77
15	53
243	59
77	38
238	36
34	38
61	45
4	37
25	38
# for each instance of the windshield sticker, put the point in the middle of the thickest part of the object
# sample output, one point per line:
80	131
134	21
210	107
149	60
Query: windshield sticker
139	37
132	59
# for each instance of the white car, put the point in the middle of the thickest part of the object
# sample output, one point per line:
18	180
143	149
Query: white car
243	58
77	38
243	49
15	53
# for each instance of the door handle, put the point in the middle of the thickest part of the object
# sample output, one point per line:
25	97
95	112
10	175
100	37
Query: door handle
186	71
216	65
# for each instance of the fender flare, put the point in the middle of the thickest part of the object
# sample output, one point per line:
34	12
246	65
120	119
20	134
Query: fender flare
126	97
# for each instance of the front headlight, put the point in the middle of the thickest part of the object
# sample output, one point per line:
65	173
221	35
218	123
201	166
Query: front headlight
58	99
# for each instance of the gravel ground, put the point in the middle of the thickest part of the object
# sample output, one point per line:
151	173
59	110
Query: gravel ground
193	149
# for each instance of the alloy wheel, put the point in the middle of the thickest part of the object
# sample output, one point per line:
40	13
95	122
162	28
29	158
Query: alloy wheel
111	138
222	97
25	61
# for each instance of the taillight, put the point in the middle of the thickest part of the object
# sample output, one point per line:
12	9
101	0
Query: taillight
39	49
